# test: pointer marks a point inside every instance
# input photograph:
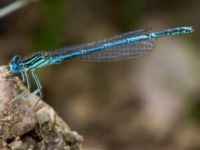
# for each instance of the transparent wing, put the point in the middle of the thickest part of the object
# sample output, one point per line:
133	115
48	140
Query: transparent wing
121	52
110	54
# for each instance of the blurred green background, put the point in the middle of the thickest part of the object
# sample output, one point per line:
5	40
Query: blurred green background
148	103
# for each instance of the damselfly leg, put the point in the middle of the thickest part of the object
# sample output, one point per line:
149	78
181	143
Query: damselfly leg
23	76
38	90
26	80
37	81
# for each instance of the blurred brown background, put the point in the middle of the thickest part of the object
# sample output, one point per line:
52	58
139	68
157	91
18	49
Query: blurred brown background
148	103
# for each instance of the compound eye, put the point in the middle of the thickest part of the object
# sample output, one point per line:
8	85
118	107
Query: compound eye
16	59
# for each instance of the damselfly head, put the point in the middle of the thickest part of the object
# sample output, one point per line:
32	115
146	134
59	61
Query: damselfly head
16	59
14	64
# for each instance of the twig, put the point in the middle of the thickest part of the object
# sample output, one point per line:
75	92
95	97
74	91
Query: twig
13	7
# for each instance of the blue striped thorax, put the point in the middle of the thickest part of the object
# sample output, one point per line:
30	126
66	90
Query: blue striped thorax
18	64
